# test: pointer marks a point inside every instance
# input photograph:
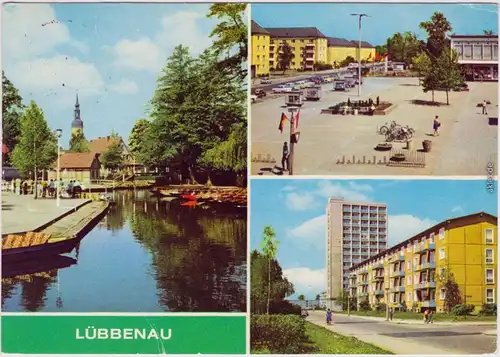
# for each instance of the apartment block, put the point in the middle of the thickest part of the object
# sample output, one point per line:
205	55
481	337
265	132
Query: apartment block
406	276
260	42
355	231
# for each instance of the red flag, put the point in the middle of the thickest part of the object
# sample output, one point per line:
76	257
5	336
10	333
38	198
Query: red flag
5	149
282	122
297	120
377	56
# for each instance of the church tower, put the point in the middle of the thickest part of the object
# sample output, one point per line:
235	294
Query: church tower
77	123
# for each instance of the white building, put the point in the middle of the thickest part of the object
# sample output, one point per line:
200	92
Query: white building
356	231
478	55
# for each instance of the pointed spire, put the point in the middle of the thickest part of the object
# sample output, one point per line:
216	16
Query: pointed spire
77	104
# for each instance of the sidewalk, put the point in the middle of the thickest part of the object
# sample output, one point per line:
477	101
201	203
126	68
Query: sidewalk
421	322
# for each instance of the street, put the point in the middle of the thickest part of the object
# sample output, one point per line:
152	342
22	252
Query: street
467	141
412	338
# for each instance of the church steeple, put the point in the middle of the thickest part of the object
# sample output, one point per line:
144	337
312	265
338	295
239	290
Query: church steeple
77	123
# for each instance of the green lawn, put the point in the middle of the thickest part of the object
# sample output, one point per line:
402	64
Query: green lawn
324	341
419	316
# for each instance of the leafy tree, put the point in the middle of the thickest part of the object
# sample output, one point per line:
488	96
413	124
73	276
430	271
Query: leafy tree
302	297
343	300
347	60
112	158
231	37
285	57
269	247
381	49
137	135
421	64
403	47
449	73
447	282
364	305
37	146
78	143
11	115
318	297
489	32
437	29
280	287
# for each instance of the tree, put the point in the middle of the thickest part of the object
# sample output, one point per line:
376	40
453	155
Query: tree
449	74
37	146
318	297
343	300
231	37
11	115
302	297
137	135
489	32
347	60
421	64
112	158
437	29
403	47
285	56
78	143
451	289
269	247
381	49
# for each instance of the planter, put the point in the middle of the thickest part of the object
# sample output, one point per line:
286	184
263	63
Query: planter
383	147
356	111
399	157
427	145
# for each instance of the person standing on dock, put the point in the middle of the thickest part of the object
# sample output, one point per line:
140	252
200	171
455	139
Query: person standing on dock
52	187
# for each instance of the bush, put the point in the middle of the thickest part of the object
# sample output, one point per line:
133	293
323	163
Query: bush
364	305
380	307
462	309
284	307
278	334
488	310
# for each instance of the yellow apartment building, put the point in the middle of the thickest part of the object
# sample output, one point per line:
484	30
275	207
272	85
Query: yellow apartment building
407	274
260	50
340	48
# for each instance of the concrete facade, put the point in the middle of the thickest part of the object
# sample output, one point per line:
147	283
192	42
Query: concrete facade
478	55
355	231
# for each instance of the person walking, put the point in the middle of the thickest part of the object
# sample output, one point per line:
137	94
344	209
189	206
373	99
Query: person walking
485	108
391	313
285	157
426	316
436	125
328	317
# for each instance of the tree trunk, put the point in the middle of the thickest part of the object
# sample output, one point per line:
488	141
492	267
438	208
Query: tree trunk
433	96
35	187
192	174
268	286
447	98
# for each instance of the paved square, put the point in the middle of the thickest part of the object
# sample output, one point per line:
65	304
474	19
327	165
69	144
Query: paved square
466	144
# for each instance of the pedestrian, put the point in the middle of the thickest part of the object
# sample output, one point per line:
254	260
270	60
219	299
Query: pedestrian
391	313
70	188
18	186
436	124
485	109
378	100
52	188
426	316
285	157
346	109
372	109
430	317
328	317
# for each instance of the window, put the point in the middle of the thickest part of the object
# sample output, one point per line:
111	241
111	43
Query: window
490	276
490	296
488	235
408	265
409	297
489	256
408	248
442	294
441	253
408	279
441	234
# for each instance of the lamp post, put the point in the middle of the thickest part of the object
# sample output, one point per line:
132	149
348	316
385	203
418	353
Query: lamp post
360	16
387	285
349	303
58	134
292	111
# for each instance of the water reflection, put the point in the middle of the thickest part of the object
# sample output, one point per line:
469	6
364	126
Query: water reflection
149	255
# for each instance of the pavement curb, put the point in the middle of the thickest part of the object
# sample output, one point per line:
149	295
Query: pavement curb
418	322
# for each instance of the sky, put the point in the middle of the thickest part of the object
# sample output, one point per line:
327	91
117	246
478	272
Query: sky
334	20
296	210
111	54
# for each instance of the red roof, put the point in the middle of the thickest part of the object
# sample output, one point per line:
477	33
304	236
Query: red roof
76	160
100	145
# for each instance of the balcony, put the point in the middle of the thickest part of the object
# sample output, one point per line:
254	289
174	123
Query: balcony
398	289
363	282
347	246
378	277
399	258
379	292
396	274
426	247
427	303
424	266
426	285
378	266
363	294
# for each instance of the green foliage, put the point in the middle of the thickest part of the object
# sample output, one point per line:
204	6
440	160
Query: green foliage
318	297
453	296
112	158
269	244
489	32
380	306
78	143
403	47
381	49
11	115
488	310
448	72
345	62
285	57
278	334
462	309
37	146
137	135
302	297
364	305
268	285
437	29
320	66
343	300
231	37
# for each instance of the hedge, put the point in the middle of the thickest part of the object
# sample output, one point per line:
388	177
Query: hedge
278	334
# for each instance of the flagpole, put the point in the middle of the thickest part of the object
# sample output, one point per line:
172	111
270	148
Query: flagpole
360	16
292	144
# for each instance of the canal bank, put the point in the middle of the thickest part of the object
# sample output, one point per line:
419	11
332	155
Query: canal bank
158	254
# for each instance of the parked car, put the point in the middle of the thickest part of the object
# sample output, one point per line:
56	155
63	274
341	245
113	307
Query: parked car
253	98
282	88
340	86
259	92
265	81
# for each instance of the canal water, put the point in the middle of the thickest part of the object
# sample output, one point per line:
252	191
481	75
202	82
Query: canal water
147	255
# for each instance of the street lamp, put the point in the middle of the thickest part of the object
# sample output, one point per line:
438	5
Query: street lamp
360	16
58	134
292	111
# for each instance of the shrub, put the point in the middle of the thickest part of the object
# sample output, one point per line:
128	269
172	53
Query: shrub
364	305
488	310
278	334
462	309
380	307
284	307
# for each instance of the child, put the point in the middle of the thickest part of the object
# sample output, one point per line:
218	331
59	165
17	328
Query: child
328	317
436	126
